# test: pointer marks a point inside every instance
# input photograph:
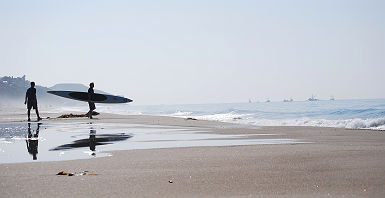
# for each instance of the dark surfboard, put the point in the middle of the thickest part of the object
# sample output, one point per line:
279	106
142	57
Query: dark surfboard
97	98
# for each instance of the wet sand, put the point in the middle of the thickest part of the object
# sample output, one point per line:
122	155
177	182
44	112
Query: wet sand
335	163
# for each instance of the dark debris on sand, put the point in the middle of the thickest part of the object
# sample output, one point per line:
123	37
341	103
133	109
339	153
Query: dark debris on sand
70	115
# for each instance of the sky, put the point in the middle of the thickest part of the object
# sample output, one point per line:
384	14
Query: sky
199	51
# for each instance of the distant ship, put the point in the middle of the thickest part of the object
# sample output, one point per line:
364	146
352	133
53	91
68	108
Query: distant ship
286	100
332	98
312	98
268	100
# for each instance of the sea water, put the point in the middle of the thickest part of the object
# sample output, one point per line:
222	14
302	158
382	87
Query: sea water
353	114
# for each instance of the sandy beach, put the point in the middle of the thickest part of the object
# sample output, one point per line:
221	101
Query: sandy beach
330	163
195	99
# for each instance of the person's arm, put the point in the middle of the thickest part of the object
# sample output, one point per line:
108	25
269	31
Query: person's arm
25	101
89	95
35	95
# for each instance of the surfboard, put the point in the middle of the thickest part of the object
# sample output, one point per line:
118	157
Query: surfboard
83	96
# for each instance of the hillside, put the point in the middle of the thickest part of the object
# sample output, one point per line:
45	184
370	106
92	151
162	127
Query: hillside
14	88
73	87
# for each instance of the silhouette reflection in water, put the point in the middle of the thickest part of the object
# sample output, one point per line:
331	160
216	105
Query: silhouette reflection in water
93	141
32	141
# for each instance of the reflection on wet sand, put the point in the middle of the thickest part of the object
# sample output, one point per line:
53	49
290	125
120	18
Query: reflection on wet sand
68	141
93	141
32	141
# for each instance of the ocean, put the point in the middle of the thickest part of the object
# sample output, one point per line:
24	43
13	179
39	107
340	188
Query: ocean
352	114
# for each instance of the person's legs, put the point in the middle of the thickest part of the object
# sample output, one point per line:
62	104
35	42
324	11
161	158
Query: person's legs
34	105
37	113
29	106
92	107
29	113
89	114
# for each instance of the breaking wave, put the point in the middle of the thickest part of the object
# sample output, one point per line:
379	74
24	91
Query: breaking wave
233	117
352	114
374	123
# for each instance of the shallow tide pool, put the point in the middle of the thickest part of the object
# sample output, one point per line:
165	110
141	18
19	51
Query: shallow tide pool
31	142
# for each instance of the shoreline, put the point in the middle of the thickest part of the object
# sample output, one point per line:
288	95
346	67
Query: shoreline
144	119
337	162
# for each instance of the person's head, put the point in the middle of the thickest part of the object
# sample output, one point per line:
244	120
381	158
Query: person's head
92	85
32	84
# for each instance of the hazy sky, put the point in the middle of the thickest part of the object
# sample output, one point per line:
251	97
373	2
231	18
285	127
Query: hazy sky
193	51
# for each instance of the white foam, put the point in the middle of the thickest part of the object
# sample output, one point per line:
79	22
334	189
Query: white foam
181	113
224	117
375	123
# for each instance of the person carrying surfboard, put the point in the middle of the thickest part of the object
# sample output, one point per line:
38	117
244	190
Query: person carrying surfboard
91	104
31	101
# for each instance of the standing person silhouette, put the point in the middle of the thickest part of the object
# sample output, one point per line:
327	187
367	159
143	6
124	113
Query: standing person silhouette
31	101
91	104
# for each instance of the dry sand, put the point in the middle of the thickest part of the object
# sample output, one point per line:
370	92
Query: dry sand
335	163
